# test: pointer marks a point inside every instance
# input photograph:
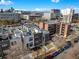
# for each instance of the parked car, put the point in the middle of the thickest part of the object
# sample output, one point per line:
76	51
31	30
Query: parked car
67	45
55	54
61	50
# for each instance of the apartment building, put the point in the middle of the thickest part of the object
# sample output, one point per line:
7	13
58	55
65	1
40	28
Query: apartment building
4	46
46	36
28	36
48	25
64	30
4	42
16	40
33	37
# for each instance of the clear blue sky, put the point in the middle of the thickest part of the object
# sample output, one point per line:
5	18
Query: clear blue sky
39	4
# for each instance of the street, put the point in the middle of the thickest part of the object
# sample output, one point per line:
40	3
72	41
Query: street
71	53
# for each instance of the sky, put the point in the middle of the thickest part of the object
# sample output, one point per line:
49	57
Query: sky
39	4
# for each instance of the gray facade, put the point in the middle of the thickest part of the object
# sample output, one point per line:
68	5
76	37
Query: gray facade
9	16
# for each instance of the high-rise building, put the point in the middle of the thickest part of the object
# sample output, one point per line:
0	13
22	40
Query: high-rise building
64	29
49	26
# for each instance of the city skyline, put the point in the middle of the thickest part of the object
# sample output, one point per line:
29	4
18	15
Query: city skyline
39	4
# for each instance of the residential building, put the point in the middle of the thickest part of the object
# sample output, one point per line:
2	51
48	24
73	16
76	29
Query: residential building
34	36
9	15
4	42
16	40
4	46
48	25
46	36
64	29
28	36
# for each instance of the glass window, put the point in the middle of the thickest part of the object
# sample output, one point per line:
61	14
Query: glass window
0	30
30	44
28	33
30	39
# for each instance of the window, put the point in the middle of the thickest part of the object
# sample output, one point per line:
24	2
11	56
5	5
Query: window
30	44
13	43
28	33
30	39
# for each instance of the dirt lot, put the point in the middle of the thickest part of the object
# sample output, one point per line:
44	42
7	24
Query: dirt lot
71	53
